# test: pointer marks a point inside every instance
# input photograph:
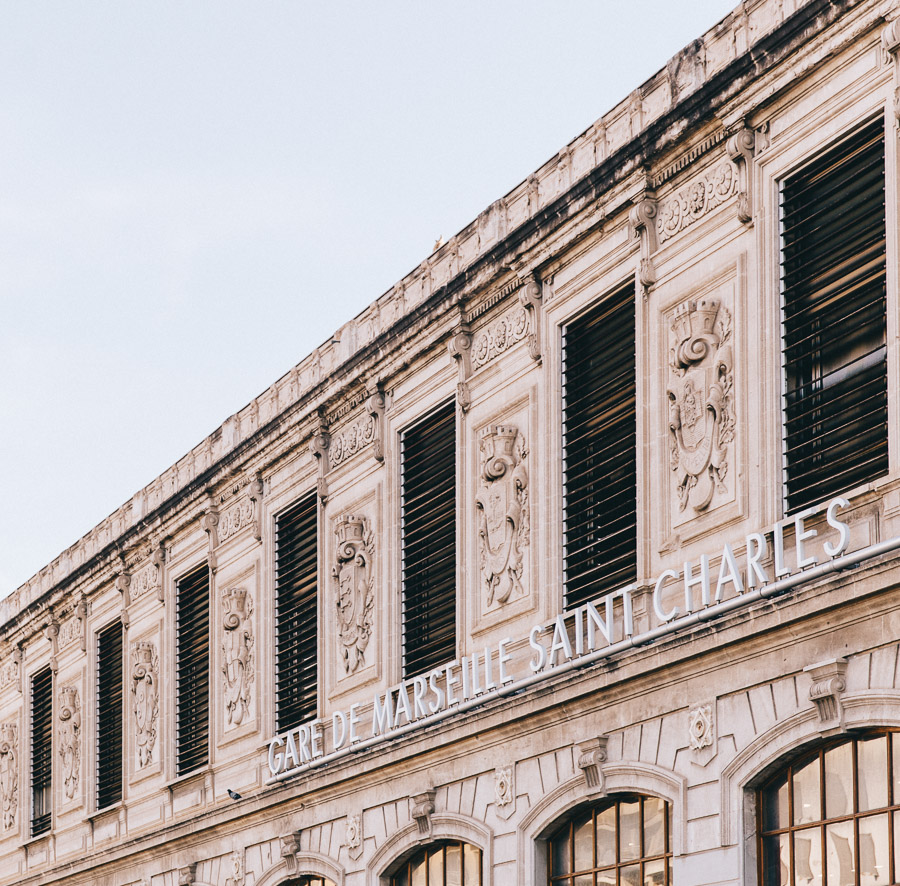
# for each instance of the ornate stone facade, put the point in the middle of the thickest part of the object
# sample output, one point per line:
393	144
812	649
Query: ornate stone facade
355	594
145	700
9	774
237	654
70	739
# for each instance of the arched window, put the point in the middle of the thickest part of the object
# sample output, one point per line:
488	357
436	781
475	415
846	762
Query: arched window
833	816
624	841
447	863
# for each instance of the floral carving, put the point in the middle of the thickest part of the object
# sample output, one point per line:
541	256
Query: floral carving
503	785
701	400
145	699
70	738
697	199
354	832
9	780
235	518
352	439
701	727
500	336
502	503
237	646
355	602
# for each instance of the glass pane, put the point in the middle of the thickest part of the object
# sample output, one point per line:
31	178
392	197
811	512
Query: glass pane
453	861
808	856
607	878
775	805
472	865
630	876
654	827
839	853
839	781
895	753
561	853
874	850
896	845
400	878
871	755
584	844
655	873
436	867
807	806
417	873
776	858
606	837
584	880
629	831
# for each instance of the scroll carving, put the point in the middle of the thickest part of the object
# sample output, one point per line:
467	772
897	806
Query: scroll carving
500	336
701	727
890	40
643	221
9	774
693	202
354	836
829	682
503	786
145	699
741	147
234	519
149	578
701	401
237	648
70	738
319	446
209	523
502	504
352	573
530	297
351	439
460	348
422	808
590	757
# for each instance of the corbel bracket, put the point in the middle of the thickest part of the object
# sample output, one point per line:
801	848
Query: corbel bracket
255	494
318	445
209	522
460	348
290	846
422	810
829	681
375	406
741	147
590	756
123	586
890	40
81	613
531	298
158	559
18	657
51	632
643	222
186	874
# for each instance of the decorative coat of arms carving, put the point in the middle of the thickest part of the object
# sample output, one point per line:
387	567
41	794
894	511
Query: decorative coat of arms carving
237	646
355	589
9	781
145	699
70	738
701	727
701	400
502	503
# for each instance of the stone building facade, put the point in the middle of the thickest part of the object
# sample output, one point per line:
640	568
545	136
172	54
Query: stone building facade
572	559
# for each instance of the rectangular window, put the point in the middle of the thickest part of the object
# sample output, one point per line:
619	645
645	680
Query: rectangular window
834	320
41	751
192	668
296	614
599	450
428	541
109	715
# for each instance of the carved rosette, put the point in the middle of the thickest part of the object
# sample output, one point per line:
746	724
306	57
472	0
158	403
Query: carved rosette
693	202
502	505
701	727
352	439
355	589
237	648
145	699
9	780
701	401
500	336
70	738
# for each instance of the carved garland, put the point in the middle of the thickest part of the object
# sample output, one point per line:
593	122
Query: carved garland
70	738
500	336
693	202
145	699
355	583
237	648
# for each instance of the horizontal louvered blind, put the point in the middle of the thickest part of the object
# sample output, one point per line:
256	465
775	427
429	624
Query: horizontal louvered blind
833	283
428	541
109	715
296	614
41	751
599	450
192	651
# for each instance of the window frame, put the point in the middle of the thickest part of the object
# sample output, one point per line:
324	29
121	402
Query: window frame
41	824
101	731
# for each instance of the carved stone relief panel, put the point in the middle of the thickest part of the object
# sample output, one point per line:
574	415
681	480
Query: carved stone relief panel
9	775
144	699
499	336
237	649
70	738
355	589
352	438
503	512
701	405
693	202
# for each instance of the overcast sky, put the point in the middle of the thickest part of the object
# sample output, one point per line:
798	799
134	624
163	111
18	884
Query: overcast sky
194	195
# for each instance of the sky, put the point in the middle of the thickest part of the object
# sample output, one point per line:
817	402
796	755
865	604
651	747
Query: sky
194	195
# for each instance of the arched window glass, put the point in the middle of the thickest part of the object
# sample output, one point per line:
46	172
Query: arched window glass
623	842
309	881
833	816
448	863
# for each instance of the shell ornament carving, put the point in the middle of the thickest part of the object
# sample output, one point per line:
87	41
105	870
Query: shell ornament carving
9	782
237	648
701	401
145	700
502	504
70	738
352	573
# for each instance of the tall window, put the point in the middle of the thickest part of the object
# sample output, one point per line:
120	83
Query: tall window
626	842
192	666
447	863
833	816
428	540
41	752
296	615
109	715
833	284
599	450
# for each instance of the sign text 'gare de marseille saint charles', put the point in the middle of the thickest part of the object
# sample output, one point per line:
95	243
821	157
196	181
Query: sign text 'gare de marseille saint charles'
591	635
